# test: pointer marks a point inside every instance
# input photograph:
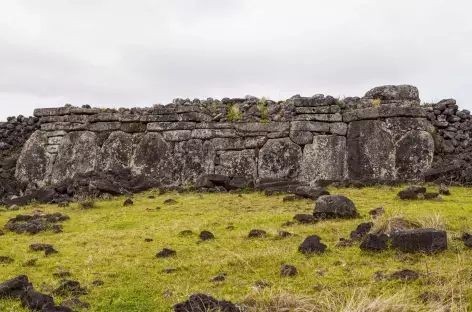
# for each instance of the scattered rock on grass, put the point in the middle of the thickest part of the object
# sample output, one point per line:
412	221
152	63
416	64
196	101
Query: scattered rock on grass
431	196
98	283
49	251
186	233
288	270
34	224
377	212
467	239
230	227
334	206
36	301
361	231
39	247
201	302
374	242
14	287
444	190
75	303
290	198
148	240
285	234
312	244
30	263
62	274
345	243
257	233
218	278
166	253
170	201
6	260
305	218
128	202
405	275
69	288
427	240
206	235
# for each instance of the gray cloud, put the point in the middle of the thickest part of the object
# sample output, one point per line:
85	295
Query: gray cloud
120	53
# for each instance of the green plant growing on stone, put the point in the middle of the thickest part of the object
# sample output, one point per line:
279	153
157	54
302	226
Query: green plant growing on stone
68	105
262	107
234	113
376	102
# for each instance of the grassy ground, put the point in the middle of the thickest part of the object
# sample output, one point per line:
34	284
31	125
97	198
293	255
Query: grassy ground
107	243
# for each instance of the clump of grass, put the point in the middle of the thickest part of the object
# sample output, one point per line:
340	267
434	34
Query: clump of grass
391	221
87	203
262	107
234	113
376	102
433	221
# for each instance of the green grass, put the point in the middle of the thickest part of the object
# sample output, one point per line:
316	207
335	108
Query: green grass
107	243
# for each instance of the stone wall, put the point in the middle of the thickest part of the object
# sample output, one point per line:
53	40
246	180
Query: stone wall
380	137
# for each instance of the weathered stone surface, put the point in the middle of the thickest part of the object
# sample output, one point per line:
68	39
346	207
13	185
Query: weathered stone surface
238	163
56	140
133	127
68	126
332	109
414	155
104	117
176	135
279	158
213	133
35	163
401	125
104	126
393	92
255	142
153	157
77	154
221	144
313	126
214	125
384	112
320	117
52	149
191	159
116	152
325	159
427	240
262	127
166	126
59	111
301	137
339	128
371	151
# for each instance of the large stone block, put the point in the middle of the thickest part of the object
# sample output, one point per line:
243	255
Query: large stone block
154	157
35	163
214	133
191	161
279	158
325	159
414	155
384	112
371	151
262	127
313	126
393	92
238	163
116	151
320	117
78	153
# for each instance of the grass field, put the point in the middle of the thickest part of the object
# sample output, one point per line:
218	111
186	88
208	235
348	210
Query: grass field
107	243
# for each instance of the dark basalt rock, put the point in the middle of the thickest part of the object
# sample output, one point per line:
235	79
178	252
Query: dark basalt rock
257	234
36	223
305	218
405	275
170	201
377	212
6	260
431	196
75	303
206	235
334	206
39	247
69	288
288	270
444	190
426	240
374	242
36	301
285	234
186	233
14	287
166	253
50	251
408	195
205	303
361	231
128	202
312	244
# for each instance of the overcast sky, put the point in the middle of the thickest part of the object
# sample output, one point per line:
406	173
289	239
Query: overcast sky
116	53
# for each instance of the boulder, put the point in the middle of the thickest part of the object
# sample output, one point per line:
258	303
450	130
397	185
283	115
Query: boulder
166	253
278	159
36	301
288	270
393	92
238	163
361	230
312	244
324	159
116	151
14	287
426	240
206	235
414	155
257	233
334	206
305	218
374	242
